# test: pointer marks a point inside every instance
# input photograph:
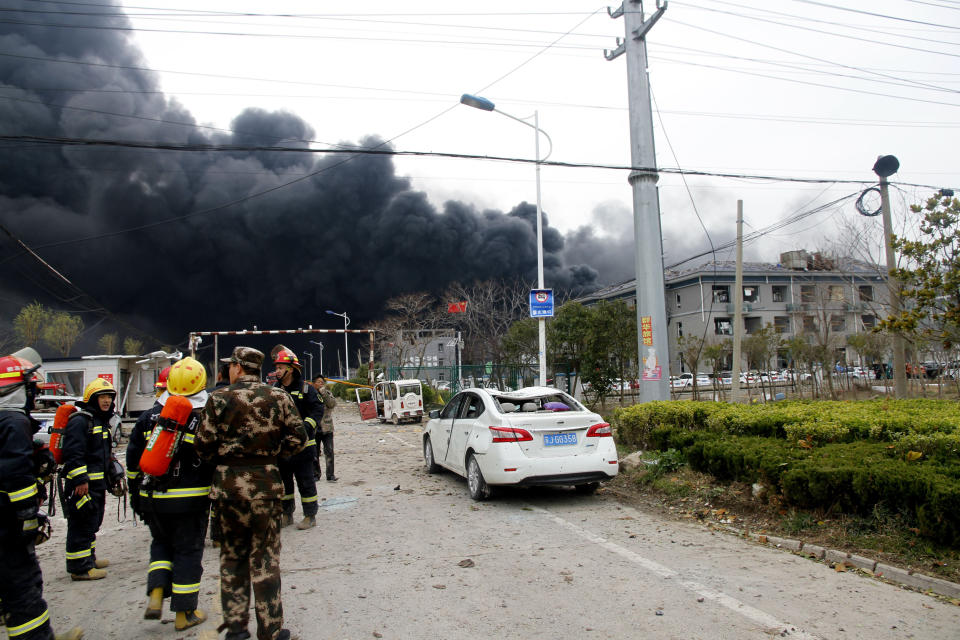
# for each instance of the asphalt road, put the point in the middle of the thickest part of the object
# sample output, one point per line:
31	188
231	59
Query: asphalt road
402	554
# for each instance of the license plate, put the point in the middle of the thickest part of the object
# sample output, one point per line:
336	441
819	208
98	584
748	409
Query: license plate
559	439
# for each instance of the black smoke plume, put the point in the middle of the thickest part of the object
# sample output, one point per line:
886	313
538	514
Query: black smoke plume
347	238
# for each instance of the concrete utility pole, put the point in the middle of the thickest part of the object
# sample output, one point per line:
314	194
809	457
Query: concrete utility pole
652	338
737	310
885	167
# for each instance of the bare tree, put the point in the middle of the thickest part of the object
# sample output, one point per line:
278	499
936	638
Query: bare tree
692	347
492	306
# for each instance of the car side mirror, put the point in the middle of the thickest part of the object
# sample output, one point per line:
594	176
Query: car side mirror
435	413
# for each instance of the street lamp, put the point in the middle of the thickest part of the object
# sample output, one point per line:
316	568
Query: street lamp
483	104
346	350
319	344
310	355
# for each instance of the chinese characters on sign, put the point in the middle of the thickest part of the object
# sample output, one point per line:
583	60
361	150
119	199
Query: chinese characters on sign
646	330
541	303
457	307
651	366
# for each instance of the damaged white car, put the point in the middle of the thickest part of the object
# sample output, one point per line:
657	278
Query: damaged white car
534	436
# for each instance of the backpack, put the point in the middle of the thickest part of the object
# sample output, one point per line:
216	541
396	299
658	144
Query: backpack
63	414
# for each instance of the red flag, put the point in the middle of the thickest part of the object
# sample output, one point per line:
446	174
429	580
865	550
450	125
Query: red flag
457	307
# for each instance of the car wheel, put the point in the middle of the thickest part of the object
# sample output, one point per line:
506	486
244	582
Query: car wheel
587	489
428	462
478	487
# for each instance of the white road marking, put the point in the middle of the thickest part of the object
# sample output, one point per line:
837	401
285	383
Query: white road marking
751	613
400	440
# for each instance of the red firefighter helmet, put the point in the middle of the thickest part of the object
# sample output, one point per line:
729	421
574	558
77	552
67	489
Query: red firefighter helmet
161	383
286	356
16	370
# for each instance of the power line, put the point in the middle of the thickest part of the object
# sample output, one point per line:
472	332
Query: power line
884	75
877	15
832	23
377	151
818	84
754	235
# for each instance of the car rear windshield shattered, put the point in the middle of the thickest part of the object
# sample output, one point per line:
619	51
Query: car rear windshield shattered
537	403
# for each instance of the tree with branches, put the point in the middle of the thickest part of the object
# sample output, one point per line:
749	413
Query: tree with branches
62	331
29	324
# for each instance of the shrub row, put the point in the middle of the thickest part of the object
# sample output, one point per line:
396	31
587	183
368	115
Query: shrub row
931	425
853	477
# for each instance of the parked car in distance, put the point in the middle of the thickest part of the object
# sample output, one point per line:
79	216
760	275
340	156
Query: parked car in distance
682	381
533	436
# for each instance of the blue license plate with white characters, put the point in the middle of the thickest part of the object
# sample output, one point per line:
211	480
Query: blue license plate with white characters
559	439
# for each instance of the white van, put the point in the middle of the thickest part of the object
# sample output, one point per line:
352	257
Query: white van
399	400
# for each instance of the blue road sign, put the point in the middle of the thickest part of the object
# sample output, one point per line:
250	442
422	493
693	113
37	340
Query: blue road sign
541	303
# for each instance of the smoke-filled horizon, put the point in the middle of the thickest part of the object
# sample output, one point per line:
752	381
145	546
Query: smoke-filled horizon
348	238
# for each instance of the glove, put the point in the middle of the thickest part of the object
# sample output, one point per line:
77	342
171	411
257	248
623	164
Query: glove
134	488
316	469
36	530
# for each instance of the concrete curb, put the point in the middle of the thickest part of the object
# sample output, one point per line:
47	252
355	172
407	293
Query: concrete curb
877	569
886	572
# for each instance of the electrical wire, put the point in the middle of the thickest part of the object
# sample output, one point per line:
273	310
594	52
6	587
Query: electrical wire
820	84
762	232
876	15
832	23
696	211
823	60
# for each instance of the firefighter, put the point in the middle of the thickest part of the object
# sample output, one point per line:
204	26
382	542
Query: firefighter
303	465
22	524
160	386
87	452
175	505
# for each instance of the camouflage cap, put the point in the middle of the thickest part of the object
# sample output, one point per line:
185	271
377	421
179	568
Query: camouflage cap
247	356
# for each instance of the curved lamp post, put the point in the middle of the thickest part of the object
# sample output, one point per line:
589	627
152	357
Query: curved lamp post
319	344
483	104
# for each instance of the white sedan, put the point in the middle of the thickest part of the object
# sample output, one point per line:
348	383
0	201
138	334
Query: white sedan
534	436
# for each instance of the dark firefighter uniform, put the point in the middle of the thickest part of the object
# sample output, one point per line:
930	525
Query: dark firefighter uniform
87	449
21	583
245	428
176	507
22	607
301	466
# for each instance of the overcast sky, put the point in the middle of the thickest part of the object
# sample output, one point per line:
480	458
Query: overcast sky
787	88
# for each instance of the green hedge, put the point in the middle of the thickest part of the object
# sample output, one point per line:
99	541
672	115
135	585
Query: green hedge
929	426
852	477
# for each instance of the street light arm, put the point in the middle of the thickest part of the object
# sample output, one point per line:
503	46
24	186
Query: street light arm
538	130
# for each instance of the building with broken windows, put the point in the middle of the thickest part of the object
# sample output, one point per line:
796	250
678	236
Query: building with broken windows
824	299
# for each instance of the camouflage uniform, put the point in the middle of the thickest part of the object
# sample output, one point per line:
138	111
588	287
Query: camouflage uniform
325	434
245	428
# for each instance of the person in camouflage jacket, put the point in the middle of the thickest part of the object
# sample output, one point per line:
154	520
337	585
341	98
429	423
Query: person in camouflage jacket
325	433
245	428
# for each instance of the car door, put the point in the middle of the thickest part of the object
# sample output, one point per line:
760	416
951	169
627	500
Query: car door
469	415
440	429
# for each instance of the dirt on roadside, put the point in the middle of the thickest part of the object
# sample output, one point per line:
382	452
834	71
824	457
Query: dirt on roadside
689	495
